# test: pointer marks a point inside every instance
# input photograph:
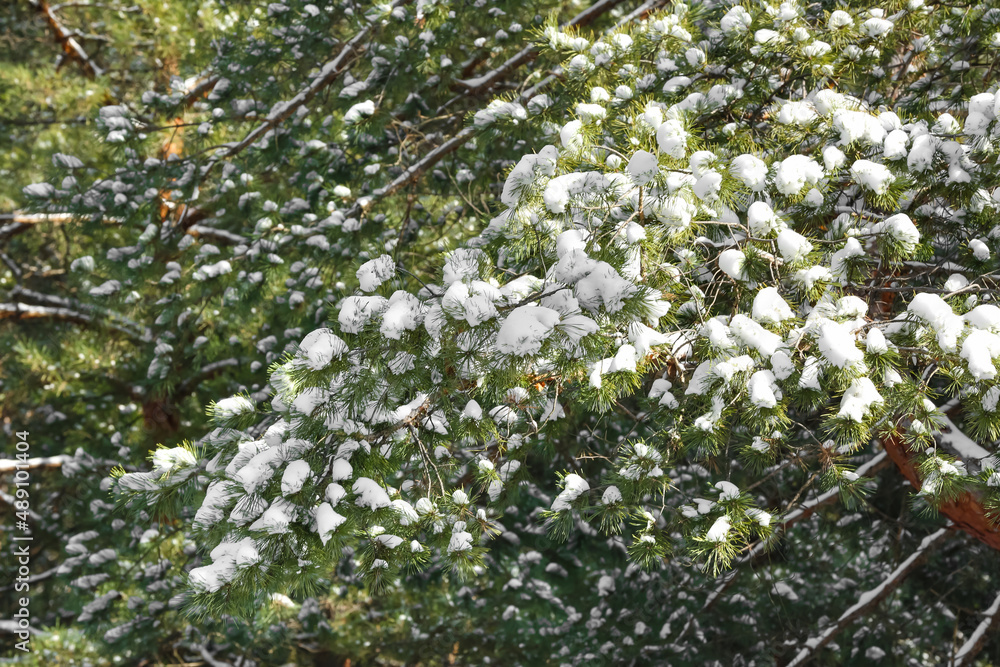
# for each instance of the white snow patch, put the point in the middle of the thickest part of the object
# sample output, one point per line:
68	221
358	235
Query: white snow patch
859	399
573	487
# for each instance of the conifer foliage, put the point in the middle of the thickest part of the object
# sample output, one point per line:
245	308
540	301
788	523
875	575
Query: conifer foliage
618	333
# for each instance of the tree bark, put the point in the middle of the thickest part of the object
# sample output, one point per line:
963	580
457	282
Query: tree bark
966	511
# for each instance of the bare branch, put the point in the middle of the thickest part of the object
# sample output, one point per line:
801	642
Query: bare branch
23	311
10	465
220	235
870	599
133	327
206	373
62	36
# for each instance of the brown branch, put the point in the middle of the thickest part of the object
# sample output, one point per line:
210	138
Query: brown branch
62	36
870	599
207	372
966	511
199	90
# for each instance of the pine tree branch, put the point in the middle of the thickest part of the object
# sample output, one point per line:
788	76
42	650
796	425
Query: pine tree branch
22	222
62	36
414	171
329	73
33	122
641	11
958	442
211	659
974	644
86	3
35	578
36	218
870	599
11	501
807	510
11	626
489	79
199	90
12	265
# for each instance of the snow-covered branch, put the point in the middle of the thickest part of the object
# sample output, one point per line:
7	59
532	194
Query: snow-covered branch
805	511
221	235
329	73
870	599
966	511
974	644
10	465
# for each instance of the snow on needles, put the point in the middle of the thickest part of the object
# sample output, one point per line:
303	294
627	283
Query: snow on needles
525	329
573	487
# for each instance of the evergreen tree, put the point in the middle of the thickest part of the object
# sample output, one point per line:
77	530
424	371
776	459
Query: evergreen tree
623	334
